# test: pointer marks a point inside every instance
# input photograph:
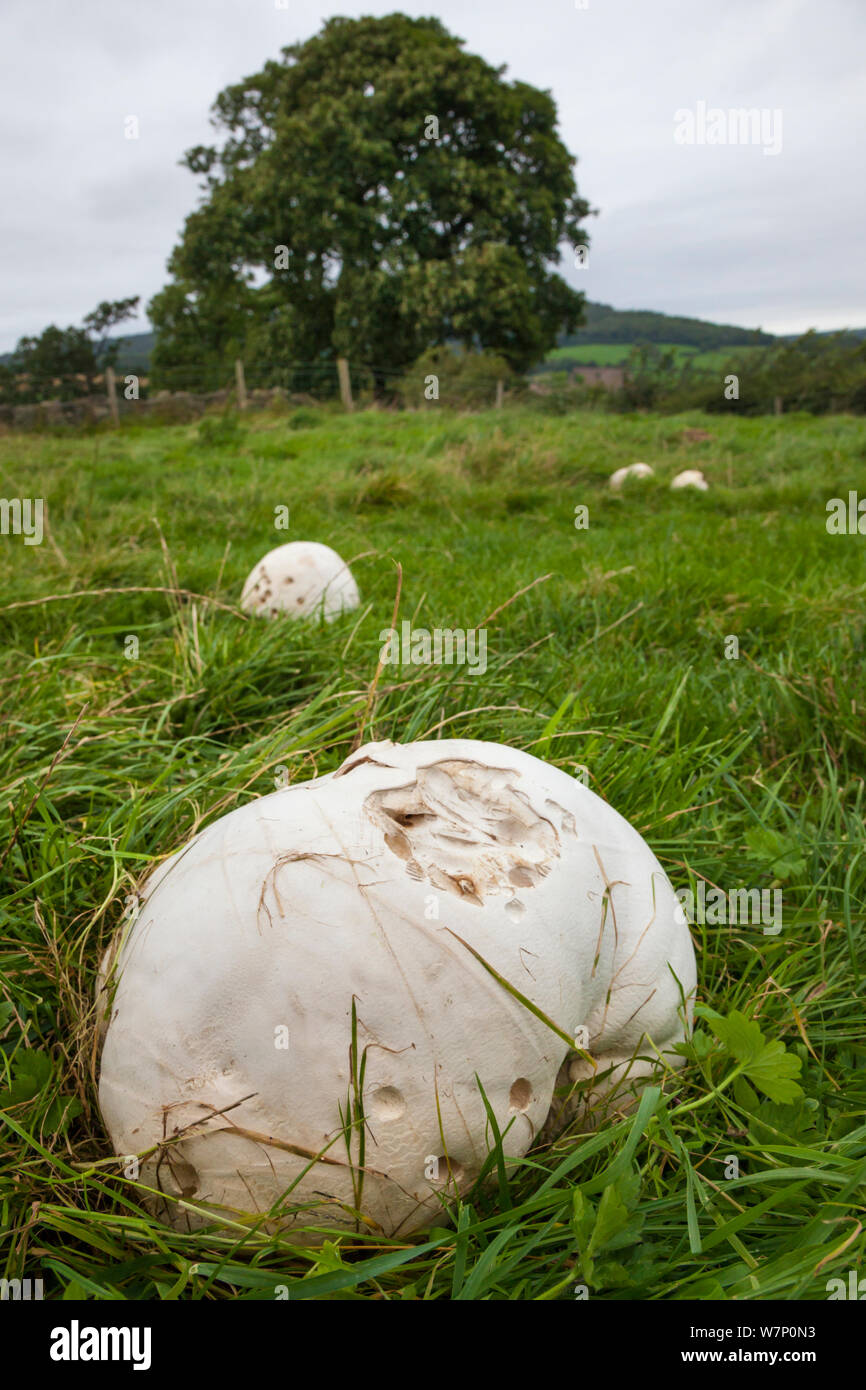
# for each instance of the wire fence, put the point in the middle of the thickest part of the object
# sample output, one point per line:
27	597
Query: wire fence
135	390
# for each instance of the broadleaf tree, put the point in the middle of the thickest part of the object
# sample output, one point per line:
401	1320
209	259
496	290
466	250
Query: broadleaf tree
375	192
63	362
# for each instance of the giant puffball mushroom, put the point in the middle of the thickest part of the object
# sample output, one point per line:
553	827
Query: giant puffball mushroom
691	477
634	470
302	578
105	972
318	986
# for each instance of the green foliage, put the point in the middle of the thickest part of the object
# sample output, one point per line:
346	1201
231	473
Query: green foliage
219	431
32	1073
817	372
104	317
393	239
61	363
465	380
612	1225
767	1064
783	852
305	418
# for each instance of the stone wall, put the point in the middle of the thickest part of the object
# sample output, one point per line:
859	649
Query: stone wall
166	407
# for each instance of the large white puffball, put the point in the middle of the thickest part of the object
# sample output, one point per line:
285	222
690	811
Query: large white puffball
302	578
431	892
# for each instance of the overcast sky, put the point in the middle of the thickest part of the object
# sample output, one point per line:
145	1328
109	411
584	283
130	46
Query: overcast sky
720	231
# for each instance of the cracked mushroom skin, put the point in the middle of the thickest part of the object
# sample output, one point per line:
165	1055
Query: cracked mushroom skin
435	889
301	579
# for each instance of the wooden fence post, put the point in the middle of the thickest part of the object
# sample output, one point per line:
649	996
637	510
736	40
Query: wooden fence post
111	389
240	380
345	383
777	405
500	391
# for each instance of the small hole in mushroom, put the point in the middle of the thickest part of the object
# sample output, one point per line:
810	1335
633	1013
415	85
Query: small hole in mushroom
447	1171
520	1095
386	1104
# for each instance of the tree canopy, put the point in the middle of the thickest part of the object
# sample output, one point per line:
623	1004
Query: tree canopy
375	192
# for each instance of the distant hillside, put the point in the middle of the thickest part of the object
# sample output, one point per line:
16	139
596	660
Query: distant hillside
135	351
858	333
134	354
615	331
604	324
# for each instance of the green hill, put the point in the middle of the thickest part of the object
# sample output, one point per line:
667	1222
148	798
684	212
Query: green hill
604	324
135	352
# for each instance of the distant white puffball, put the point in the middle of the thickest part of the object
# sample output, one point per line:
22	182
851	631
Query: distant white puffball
691	477
302	578
634	470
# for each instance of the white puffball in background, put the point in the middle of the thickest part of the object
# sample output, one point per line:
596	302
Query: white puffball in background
691	477
634	470
301	579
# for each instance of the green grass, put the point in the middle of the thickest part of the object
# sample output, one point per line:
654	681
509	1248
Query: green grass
745	771
591	354
616	354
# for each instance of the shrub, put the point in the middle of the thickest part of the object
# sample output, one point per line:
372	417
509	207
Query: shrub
217	431
463	380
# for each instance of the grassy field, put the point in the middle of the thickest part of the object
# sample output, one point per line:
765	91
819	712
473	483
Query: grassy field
608	649
614	354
